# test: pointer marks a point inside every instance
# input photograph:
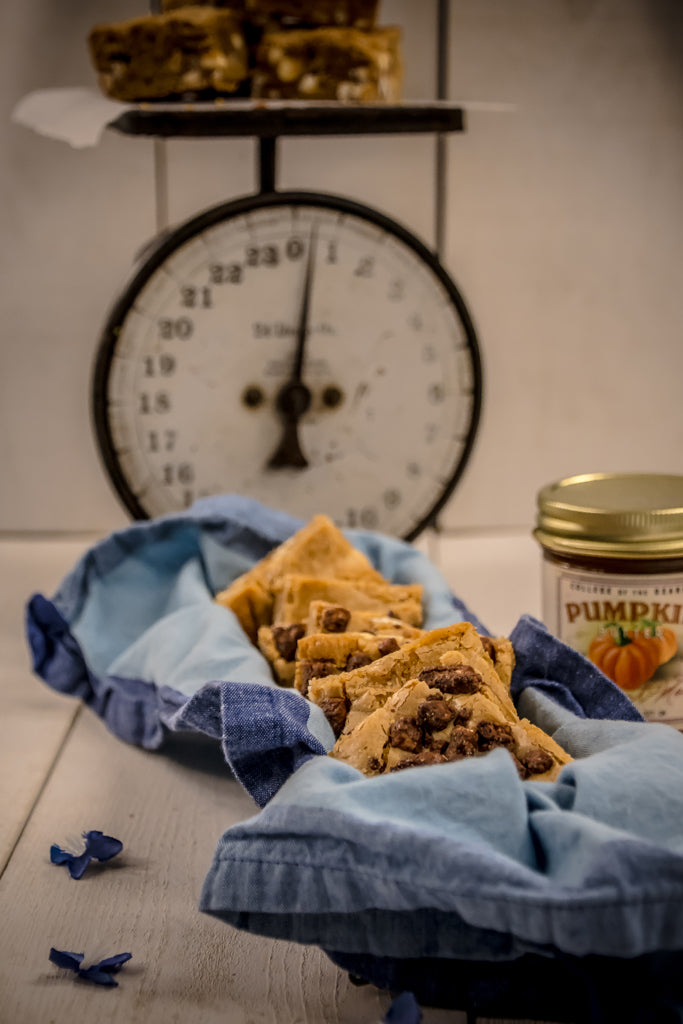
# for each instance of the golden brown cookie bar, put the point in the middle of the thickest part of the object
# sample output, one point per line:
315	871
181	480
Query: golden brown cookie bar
326	622
452	727
326	654
325	617
295	593
319	548
251	602
422	725
342	64
157	56
451	659
283	647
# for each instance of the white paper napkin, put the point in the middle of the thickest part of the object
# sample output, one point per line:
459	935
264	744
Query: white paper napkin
78	115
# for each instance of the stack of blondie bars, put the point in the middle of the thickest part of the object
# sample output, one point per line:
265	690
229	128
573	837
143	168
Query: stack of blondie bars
397	695
268	49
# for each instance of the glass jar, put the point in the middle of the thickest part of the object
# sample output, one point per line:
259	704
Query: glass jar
613	580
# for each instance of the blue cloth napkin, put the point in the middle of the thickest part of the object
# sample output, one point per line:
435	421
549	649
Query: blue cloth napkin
460	863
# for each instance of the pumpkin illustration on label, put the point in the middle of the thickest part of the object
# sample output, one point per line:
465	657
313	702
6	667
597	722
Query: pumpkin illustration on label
629	661
664	638
631	657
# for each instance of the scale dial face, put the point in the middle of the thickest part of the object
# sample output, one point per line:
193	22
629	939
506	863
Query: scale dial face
296	348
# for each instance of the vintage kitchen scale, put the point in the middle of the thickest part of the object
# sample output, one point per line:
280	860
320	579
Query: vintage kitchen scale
299	348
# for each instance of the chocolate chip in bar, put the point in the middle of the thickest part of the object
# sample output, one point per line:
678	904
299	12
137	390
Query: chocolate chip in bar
464	742
537	761
315	669
493	734
335	619
424	757
405	734
357	660
489	646
435	714
286	638
335	710
452	678
387	645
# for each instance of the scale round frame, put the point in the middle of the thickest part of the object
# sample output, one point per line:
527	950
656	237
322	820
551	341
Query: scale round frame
167	243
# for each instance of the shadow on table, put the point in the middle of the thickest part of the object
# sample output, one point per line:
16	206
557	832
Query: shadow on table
198	753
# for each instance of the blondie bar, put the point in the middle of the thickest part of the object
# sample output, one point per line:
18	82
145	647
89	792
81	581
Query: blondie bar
421	724
342	64
156	56
318	549
295	593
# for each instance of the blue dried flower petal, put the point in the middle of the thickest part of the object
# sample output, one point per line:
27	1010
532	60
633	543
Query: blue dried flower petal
404	1010
59	856
114	963
77	865
97	847
100	973
101	847
62	958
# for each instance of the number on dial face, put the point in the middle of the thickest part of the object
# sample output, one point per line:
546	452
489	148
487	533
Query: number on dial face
294	325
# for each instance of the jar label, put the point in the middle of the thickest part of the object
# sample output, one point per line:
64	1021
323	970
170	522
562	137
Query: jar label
629	626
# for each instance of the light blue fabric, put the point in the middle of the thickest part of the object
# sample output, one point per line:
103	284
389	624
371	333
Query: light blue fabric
480	864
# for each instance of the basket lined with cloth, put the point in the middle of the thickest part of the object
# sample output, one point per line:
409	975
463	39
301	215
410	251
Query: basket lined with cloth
460	881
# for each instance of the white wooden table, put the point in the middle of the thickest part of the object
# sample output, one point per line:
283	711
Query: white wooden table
62	773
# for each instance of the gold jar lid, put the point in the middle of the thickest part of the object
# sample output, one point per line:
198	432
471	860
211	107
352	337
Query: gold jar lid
613	515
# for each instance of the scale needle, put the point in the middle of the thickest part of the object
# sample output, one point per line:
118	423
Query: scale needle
294	398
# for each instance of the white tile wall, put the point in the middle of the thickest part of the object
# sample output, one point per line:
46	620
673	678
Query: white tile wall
564	223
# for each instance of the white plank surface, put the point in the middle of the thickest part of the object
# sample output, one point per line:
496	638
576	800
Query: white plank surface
186	966
34	721
63	773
